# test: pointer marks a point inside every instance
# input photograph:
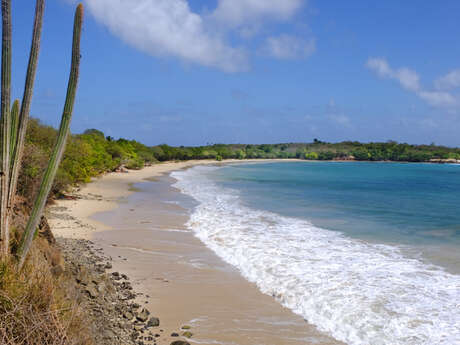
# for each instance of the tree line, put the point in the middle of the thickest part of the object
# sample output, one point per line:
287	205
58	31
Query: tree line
92	153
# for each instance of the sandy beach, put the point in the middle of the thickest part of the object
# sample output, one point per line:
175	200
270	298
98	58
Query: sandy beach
138	219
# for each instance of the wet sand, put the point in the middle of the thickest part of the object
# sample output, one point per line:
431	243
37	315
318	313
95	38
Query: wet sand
187	283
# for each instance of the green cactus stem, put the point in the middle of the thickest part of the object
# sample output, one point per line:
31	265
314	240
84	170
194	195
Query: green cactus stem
5	125
14	130
59	147
26	100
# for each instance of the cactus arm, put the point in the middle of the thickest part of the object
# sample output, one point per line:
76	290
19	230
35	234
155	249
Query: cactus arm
14	129
5	124
26	100
59	147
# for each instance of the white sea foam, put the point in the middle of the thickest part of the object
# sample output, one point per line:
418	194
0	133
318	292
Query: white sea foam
359	293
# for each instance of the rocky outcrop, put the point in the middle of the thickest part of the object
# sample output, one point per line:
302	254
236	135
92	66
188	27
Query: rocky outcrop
108	298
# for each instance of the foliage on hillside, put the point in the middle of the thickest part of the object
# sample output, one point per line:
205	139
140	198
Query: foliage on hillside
317	150
87	155
92	153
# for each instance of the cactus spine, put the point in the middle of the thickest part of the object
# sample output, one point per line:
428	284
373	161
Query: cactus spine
5	125
59	147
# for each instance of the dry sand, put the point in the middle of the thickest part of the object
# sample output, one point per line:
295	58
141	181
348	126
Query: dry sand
187	283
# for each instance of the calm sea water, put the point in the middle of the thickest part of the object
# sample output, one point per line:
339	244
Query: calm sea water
415	204
367	252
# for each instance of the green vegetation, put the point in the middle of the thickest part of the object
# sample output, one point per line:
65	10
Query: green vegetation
317	150
91	154
59	146
35	305
87	155
14	124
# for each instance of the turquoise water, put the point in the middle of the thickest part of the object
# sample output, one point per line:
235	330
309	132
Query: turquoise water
410	204
366	252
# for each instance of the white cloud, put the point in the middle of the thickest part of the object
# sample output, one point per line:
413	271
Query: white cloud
438	98
407	78
289	47
410	80
240	12
448	81
167	28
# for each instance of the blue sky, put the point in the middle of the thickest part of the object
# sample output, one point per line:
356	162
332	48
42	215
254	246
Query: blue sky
191	72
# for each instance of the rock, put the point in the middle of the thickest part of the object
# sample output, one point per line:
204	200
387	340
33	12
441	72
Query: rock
108	334
126	286
186	327
108	265
139	328
143	315
44	231
174	334
153	322
128	315
180	342
187	334
92	292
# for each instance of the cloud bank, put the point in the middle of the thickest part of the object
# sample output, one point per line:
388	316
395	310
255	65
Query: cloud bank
410	80
170	28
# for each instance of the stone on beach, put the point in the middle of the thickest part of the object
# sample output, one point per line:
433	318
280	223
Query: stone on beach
187	334
143	315
153	322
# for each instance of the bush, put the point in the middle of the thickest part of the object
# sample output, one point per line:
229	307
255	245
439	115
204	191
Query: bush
311	156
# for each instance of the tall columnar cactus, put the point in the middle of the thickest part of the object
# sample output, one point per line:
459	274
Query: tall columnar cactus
5	125
59	147
26	100
13	131
13	126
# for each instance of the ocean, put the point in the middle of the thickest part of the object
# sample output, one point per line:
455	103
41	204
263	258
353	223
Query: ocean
369	253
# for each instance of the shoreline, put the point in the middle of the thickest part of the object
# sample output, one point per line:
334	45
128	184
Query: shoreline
138	220
180	279
104	193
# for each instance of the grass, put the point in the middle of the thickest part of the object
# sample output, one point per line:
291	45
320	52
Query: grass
38	308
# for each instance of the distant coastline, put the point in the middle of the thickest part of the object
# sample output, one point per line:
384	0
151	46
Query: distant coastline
93	154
